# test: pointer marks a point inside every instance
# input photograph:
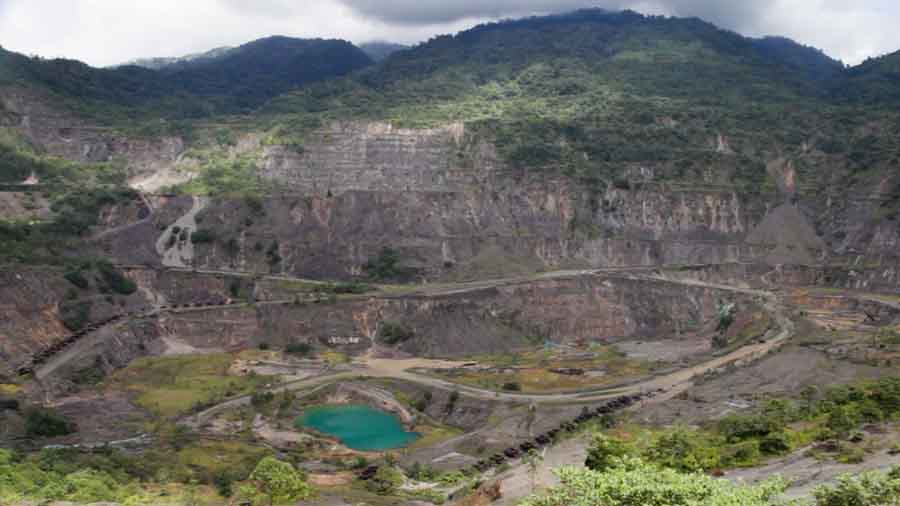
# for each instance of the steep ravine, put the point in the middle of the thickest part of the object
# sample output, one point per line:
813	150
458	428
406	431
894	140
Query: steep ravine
175	245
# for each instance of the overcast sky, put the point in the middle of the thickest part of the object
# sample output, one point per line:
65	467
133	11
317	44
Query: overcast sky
106	32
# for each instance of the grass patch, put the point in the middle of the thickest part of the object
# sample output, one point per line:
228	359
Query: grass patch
173	386
532	370
431	434
335	357
9	389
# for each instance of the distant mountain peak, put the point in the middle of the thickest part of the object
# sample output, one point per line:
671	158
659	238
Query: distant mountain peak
157	63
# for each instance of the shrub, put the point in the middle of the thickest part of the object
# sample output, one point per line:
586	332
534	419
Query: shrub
78	279
302	349
423	403
40	422
620	183
115	280
276	482
259	399
683	450
203	236
386	480
76	316
776	443
636	483
843	419
869	489
392	333
351	288
605	452
512	386
387	267
736	428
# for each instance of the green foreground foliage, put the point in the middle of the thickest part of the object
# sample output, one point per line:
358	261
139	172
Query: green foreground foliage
633	482
275	482
779	427
149	478
630	481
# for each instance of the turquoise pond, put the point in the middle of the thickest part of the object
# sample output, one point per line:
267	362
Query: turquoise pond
359	427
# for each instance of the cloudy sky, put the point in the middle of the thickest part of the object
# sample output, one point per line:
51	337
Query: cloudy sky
106	32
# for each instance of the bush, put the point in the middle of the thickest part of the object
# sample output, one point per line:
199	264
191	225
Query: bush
869	489
605	452
683	450
76	316
385	481
636	483
386	267
203	236
351	288
512	386
260	399
392	333
115	280
302	349
78	279
40	422
736	428
843	419
776	443
423	403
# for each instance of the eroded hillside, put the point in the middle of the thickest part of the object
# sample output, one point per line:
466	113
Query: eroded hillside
502	237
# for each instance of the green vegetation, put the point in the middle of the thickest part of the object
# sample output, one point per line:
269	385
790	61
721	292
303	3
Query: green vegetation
869	489
605	452
43	422
302	349
387	266
779	427
77	193
171	386
114	280
162	476
274	482
203	236
76	315
235	82
77	278
632	482
386	481
222	175
392	333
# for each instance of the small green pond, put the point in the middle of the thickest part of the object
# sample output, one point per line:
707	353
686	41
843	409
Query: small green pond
359	427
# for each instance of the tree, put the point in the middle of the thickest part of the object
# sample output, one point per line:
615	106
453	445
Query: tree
276	481
386	480
605	452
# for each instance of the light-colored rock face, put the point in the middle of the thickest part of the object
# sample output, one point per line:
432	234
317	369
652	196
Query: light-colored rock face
65	135
376	157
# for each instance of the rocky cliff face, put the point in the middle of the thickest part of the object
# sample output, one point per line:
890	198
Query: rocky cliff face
483	321
64	134
454	210
34	303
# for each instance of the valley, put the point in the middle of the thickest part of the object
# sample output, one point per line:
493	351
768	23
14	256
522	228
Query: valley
637	244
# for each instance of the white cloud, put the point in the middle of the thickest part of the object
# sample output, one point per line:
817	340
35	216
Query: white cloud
105	32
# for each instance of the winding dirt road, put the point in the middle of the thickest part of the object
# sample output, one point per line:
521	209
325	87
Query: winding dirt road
672	384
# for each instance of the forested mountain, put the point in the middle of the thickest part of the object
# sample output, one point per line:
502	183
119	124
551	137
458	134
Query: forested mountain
159	63
380	50
236	81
